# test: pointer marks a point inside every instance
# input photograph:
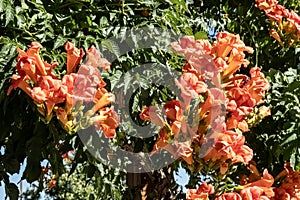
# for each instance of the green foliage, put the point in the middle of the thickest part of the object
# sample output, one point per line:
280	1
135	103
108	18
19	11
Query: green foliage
278	139
12	191
52	23
86	22
275	139
252	25
89	182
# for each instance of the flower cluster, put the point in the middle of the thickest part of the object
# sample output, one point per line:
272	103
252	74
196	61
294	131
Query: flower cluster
202	192
225	101
289	188
286	23
64	97
255	186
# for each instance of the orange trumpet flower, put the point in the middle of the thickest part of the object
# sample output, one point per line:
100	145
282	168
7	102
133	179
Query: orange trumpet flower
34	53
19	82
95	60
105	100
74	56
150	114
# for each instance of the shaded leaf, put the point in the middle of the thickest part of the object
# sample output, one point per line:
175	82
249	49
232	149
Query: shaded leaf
12	191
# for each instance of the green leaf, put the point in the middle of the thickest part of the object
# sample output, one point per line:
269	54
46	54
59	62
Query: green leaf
32	171
89	170
12	165
2	5
24	5
12	191
103	22
291	138
295	160
127	81
201	35
9	12
292	87
91	197
60	41
89	21
111	46
115	79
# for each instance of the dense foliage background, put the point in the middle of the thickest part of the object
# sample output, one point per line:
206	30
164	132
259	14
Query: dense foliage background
85	22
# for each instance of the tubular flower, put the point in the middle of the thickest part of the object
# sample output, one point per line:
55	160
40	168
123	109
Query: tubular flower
25	66
229	50
85	83
50	92
201	193
163	140
185	151
105	100
95	60
169	129
289	189
107	120
190	47
277	13
74	56
244	94
187	94
150	114
235	61
285	23
266	181
225	44
230	44
197	54
19	82
225	100
228	145
173	110
174	114
63	97
38	95
258	85
255	193
229	196
260	187
194	83
273	33
29	67
49	69
68	81
33	52
266	4
212	112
